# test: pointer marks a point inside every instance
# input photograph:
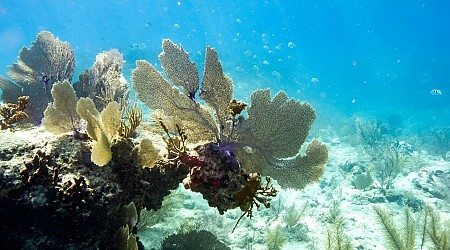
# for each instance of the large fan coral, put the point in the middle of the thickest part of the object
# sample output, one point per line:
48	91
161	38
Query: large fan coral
46	62
268	141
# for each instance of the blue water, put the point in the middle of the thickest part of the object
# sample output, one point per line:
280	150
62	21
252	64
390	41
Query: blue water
372	57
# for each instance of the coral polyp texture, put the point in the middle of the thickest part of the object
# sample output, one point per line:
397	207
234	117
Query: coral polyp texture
268	141
47	61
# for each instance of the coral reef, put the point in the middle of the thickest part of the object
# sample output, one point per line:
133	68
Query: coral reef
58	199
47	61
274	130
13	113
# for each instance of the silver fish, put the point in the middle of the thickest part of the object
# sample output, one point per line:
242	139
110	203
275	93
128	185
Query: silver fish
436	92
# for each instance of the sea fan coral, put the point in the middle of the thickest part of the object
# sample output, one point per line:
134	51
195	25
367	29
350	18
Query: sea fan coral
275	128
104	81
47	61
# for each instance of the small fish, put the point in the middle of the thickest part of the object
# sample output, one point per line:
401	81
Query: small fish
436	92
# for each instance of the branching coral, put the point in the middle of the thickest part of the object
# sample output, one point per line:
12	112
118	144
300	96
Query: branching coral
130	120
47	61
254	194
13	113
267	141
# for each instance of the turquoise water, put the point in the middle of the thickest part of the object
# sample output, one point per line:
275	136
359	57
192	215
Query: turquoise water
376	60
377	57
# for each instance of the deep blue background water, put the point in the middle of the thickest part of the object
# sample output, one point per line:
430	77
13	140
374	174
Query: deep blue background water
367	57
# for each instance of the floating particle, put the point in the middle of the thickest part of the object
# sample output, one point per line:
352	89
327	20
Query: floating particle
238	20
247	53
291	45
176	26
436	92
265	47
248	150
2	11
178	3
265	62
353	100
276	74
239	69
256	68
314	80
354	63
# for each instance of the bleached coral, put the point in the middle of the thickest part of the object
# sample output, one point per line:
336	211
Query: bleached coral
61	115
104	81
147	154
102	128
47	61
